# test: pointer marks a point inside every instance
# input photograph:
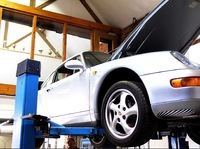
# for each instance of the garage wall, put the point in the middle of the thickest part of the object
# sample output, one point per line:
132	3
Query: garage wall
194	53
10	59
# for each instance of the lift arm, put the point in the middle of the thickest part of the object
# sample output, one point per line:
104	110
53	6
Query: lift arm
46	128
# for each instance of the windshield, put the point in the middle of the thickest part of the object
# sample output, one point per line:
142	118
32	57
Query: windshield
95	58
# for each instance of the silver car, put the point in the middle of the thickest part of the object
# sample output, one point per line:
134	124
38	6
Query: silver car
146	85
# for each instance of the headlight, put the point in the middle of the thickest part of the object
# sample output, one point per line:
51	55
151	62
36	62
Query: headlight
183	59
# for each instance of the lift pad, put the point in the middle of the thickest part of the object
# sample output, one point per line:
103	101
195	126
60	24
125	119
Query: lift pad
46	128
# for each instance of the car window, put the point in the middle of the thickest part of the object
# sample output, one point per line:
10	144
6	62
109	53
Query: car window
48	81
62	72
95	58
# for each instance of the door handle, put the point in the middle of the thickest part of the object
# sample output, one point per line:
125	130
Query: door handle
49	89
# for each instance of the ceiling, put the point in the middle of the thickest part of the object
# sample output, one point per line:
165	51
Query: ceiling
115	13
120	13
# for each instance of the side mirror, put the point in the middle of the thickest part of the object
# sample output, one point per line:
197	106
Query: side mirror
74	64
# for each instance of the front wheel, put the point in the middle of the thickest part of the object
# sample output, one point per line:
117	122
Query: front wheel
126	115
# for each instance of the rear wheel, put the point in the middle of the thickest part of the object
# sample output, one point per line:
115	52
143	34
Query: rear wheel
126	115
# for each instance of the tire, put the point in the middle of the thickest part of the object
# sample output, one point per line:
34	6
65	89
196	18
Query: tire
100	141
194	133
126	115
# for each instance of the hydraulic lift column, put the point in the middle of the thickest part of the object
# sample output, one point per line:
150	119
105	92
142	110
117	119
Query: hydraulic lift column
28	72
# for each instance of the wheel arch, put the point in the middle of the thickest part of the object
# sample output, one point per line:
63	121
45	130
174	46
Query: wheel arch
113	77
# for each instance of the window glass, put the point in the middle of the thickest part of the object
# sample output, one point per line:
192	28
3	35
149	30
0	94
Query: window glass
62	72
49	80
95	58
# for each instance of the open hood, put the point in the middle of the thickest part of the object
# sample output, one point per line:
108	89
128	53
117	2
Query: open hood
173	25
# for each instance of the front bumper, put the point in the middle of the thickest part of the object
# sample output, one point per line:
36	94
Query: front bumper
168	102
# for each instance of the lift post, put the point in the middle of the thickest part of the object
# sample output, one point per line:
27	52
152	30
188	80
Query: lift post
177	140
28	72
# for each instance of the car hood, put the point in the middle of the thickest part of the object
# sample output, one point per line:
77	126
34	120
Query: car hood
172	25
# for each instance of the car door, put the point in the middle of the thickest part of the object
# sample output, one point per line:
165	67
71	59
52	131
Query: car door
68	93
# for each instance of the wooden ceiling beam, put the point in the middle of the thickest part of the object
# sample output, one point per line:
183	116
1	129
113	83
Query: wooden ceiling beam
45	4
14	7
48	43
32	3
196	41
91	12
7	89
5	33
18	40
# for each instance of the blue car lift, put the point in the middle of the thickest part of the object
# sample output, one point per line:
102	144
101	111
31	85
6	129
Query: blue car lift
48	129
28	125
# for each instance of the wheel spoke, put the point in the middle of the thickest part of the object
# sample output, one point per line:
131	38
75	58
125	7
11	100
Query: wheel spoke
129	110
112	118
113	123
113	106
123	99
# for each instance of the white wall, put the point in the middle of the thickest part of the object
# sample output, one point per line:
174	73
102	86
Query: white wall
9	58
194	53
